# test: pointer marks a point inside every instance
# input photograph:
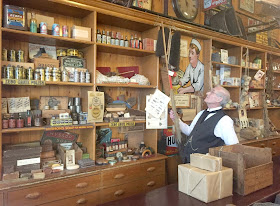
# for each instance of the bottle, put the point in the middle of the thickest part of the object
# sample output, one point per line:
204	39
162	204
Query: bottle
117	41
12	121
28	120
112	38
20	122
140	43
104	38
122	41
126	43
33	23
38	121
132	42
108	40
136	42
5	122
98	36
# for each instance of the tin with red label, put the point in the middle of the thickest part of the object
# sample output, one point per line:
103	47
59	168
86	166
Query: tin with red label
64	31
43	28
55	30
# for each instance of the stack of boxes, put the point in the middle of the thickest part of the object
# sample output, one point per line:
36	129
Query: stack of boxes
205	178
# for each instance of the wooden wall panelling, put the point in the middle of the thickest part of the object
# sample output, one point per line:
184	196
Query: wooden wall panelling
88	138
150	138
150	69
274	115
21	137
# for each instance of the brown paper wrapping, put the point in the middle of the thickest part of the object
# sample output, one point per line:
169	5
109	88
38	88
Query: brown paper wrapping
205	185
206	162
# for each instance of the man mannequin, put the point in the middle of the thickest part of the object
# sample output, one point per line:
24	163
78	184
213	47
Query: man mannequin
194	72
210	128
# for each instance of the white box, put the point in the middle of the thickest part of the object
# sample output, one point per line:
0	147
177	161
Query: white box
82	33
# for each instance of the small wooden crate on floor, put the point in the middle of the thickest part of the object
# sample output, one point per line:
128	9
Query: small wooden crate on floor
252	166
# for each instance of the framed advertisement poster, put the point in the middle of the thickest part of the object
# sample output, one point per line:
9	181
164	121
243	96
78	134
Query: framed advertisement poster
247	5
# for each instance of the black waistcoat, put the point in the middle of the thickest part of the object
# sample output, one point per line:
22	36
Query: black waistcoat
202	136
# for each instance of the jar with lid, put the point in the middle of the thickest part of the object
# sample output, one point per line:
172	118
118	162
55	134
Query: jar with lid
20	122
5	122
38	121
12	121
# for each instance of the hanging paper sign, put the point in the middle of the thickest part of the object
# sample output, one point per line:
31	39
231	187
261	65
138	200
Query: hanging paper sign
209	4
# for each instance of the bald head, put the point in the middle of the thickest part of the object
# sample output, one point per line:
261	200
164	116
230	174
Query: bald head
224	93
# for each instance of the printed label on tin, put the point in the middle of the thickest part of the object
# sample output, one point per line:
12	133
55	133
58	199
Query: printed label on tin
15	17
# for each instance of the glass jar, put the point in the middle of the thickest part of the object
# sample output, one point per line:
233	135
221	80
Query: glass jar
38	121
12	121
20	122
5	122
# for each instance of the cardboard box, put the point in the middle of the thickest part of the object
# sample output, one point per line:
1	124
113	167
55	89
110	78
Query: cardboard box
72	155
45	62
206	162
252	166
205	185
82	33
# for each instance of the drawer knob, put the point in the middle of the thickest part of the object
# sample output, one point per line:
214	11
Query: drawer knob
82	185
151	169
273	153
119	176
81	201
33	196
273	143
262	145
151	183
119	193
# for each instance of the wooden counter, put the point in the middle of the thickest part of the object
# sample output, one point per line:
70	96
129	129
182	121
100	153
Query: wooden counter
169	195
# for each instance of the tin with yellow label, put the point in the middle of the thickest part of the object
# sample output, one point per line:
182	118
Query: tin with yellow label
4	54
61	52
9	72
29	74
12	55
20	56
72	52
18	72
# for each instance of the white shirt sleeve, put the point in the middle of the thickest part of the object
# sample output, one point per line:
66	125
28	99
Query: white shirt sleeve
198	79
186	129
186	78
225	130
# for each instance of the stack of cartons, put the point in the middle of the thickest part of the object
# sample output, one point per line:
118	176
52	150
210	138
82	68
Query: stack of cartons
20	158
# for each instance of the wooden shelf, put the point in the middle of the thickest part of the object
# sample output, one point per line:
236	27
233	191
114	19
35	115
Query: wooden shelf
278	89
37	38
273	107
71	84
230	65
126	85
48	128
256	88
252	68
255	108
100	124
276	71
229	86
108	48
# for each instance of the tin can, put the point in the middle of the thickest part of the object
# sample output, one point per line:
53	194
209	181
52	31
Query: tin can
87	77
48	77
23	72
61	53
37	75
76	76
4	54
9	72
81	54
4	71
43	28
12	55
72	52
48	69
18	72
64	31
20	56
56	76
55	29
82	76
42	74
29	73
65	76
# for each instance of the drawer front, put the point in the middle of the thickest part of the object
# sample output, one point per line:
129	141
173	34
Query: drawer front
132	188
53	191
274	144
261	144
153	168
89	199
1	199
120	175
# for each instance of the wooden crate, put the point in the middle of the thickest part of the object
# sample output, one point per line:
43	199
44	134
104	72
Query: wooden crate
252	167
